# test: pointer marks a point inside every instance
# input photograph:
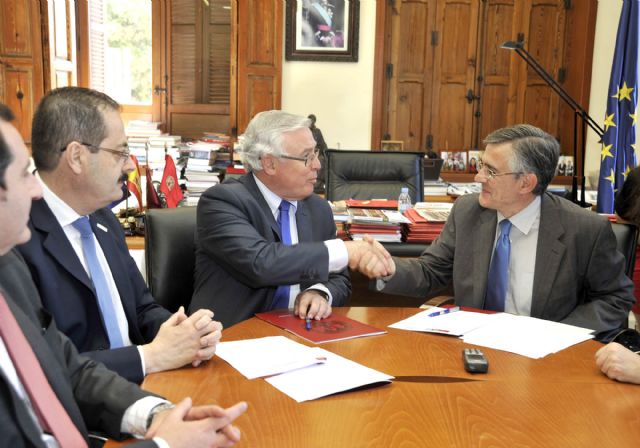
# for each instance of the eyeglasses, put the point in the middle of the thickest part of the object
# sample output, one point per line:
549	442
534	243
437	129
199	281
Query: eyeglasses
491	173
308	159
122	155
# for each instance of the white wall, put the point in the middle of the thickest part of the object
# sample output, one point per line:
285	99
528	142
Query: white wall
340	94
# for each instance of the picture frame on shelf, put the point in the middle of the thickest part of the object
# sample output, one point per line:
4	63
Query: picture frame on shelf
322	30
391	145
454	161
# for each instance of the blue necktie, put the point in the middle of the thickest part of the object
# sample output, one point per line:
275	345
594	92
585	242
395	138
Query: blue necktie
99	282
498	280
281	297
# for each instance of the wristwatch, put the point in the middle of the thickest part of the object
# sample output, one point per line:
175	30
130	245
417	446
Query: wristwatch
158	409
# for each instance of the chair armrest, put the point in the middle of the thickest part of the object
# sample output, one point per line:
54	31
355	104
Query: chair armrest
439	301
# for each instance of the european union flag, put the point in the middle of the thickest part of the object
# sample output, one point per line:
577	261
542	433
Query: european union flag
617	156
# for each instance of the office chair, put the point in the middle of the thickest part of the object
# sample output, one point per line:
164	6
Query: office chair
170	255
373	175
627	239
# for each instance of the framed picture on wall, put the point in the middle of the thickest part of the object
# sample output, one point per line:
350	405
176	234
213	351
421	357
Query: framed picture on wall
322	30
391	145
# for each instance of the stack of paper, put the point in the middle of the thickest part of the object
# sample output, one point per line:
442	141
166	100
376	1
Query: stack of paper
527	336
296	366
523	335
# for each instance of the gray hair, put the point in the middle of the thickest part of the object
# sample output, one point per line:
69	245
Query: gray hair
65	115
264	136
534	151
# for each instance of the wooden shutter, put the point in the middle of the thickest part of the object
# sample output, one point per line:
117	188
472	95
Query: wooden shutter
21	73
259	58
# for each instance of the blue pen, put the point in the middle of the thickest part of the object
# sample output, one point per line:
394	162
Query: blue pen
307	324
445	311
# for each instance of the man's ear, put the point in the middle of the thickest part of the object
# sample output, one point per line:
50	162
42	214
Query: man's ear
74	156
269	164
529	182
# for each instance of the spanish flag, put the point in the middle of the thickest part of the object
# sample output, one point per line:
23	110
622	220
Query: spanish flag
133	182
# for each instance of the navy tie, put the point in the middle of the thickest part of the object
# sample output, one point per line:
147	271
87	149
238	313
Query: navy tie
498	280
99	282
281	297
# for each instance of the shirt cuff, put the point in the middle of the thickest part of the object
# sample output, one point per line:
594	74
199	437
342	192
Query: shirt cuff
135	418
324	289
141	352
161	442
338	255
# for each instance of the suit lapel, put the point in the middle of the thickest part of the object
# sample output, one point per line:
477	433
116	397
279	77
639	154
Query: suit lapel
52	369
549	253
250	184
19	410
55	241
303	222
482	247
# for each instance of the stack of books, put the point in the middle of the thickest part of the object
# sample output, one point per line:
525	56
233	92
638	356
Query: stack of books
427	220
381	225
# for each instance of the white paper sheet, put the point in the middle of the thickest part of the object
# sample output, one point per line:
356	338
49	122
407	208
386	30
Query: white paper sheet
255	358
337	374
455	324
527	336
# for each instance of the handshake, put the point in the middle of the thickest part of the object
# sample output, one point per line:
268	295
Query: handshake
370	258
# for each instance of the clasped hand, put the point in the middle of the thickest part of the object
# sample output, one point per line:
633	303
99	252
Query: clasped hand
370	257
182	340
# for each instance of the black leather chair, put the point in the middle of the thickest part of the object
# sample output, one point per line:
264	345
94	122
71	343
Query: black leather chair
373	175
627	239
170	255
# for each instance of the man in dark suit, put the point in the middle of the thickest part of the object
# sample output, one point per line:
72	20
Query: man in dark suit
245	263
562	263
84	394
80	152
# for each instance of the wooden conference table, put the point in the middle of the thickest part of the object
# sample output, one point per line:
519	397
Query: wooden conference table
558	401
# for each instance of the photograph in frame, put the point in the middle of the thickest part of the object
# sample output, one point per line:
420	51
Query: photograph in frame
322	30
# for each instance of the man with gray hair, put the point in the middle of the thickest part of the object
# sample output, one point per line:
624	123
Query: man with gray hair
517	249
266	241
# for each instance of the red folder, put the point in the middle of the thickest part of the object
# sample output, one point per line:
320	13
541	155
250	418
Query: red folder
334	328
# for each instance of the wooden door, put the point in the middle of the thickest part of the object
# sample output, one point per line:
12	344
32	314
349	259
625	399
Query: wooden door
448	83
455	68
21	73
409	73
260	40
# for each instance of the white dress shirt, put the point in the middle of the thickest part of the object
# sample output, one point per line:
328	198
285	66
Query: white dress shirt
522	259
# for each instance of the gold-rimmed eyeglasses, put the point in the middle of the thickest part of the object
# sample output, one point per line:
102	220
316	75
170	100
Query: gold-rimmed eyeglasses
122	155
308	159
491	173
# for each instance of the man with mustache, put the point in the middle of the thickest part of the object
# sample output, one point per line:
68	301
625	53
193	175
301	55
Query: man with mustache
78	255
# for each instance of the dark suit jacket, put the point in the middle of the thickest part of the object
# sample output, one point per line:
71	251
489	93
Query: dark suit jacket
240	260
93	396
67	292
579	275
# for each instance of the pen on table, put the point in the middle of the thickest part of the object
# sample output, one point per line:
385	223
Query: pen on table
445	311
307	324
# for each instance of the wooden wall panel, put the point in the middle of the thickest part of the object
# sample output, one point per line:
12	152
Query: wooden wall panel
454	71
21	63
259	58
